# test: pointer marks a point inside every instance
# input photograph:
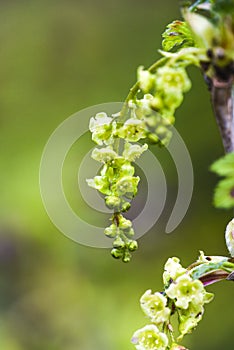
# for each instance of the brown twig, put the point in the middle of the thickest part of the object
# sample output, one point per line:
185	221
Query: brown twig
222	100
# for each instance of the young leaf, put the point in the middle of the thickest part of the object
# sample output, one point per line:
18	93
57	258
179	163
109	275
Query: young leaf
177	36
224	194
224	166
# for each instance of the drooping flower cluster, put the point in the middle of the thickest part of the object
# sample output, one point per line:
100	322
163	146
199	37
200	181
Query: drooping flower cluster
116	180
182	295
148	115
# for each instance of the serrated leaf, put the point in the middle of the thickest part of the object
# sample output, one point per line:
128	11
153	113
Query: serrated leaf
224	166
177	36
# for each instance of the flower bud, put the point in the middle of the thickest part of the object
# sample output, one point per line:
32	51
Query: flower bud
125	206
119	243
117	253
127	256
113	202
111	231
132	246
124	224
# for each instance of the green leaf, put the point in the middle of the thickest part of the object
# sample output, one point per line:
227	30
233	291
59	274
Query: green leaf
224	194
224	166
224	191
177	36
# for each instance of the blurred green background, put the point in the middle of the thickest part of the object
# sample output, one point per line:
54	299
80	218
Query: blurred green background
58	57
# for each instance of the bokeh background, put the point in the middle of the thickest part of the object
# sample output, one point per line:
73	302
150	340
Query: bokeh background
58	57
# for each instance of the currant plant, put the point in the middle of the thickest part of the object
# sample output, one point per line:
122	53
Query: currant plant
205	39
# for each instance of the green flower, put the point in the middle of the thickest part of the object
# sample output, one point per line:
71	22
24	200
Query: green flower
119	243
132	245
124	224
172	80
185	290
172	100
100	183
150	338
146	79
154	306
126	169
189	318
229	236
113	202
131	152
133	130
127	186
104	155
111	231
101	128
173	269
187	324
145	105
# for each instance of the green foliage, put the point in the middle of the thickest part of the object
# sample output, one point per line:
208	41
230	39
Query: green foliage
224	191
177	36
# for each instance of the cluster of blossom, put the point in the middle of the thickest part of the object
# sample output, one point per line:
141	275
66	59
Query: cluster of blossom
183	296
116	180
162	94
148	118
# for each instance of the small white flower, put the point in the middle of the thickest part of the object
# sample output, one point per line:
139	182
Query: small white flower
146	79
173	269
150	338
131	152
154	306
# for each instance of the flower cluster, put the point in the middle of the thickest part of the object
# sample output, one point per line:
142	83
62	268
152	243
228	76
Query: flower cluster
116	180
148	114
162	94
183	296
